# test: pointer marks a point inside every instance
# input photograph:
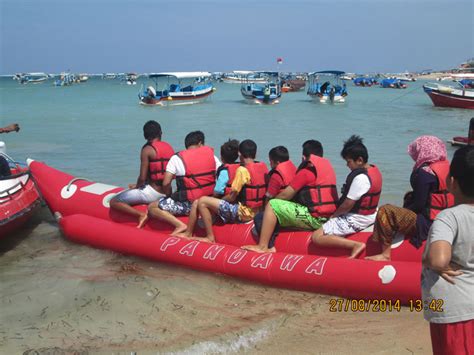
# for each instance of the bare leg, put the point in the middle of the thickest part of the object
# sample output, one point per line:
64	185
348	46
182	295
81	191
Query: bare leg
125	208
334	241
208	206
193	217
268	226
156	212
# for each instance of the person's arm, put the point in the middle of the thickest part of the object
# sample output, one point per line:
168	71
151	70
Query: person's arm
421	191
10	128
287	194
221	183
359	187
145	156
346	206
438	259
168	178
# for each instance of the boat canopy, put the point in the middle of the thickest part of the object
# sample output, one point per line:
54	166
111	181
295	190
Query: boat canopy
243	72
332	72
182	75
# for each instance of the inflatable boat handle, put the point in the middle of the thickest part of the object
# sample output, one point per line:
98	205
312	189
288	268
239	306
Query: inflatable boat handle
73	180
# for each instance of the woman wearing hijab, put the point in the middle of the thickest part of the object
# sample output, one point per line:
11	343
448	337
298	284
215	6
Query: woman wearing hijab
428	198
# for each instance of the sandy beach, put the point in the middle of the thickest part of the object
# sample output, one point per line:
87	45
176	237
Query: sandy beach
61	298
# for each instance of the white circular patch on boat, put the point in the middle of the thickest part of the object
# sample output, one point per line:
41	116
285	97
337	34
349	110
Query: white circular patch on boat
65	193
387	274
107	198
397	240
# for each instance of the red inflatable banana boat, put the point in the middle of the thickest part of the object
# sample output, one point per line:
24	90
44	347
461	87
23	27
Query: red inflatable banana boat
86	218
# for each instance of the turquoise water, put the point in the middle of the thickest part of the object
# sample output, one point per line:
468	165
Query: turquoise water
94	129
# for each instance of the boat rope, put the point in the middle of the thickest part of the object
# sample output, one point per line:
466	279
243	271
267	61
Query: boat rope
406	93
73	180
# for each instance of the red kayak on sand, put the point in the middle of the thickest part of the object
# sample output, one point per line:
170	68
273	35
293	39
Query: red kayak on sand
18	200
85	217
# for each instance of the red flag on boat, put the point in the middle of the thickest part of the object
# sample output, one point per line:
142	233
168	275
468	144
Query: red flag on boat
279	60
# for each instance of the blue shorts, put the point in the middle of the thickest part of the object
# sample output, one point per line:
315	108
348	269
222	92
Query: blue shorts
228	212
176	208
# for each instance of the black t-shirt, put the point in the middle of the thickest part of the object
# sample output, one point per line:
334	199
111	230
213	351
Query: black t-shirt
4	167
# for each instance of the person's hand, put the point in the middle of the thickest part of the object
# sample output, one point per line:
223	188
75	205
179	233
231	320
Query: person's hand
132	186
451	272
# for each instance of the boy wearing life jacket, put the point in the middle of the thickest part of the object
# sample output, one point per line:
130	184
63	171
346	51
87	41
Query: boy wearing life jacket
154	158
283	171
224	176
357	207
314	193
195	173
243	196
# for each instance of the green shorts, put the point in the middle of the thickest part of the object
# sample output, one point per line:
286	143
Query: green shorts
293	215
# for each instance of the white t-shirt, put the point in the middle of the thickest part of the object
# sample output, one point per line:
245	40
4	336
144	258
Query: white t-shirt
456	226
176	167
360	186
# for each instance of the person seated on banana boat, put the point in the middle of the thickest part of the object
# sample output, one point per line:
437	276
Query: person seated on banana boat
4	165
308	201
195	173
282	172
430	196
154	157
243	195
357	206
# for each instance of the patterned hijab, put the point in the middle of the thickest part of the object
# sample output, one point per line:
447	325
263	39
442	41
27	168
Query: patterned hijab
425	150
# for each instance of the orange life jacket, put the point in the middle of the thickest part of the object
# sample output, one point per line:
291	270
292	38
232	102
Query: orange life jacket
440	199
157	166
253	193
200	174
368	202
286	170
321	195
231	169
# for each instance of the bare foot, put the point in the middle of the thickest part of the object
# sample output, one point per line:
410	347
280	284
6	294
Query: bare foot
142	220
181	229
184	235
258	249
359	248
378	257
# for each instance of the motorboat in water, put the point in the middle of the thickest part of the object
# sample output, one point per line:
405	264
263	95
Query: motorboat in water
33	78
446	95
325	86
19	197
393	83
177	88
267	93
82	208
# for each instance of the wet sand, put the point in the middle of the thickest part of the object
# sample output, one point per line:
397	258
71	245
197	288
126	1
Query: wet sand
61	298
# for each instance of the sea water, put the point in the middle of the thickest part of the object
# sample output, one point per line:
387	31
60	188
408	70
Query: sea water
58	294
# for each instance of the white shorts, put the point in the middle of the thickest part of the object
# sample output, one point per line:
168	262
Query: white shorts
140	196
349	223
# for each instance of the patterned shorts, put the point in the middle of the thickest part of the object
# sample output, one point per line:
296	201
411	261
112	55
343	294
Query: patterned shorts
176	208
228	212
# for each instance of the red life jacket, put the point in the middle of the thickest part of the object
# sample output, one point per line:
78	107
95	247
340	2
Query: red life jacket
200	174
253	193
157	166
286	170
440	199
368	202
321	195
231	169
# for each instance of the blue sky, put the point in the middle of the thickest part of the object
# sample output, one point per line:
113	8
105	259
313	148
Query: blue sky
148	36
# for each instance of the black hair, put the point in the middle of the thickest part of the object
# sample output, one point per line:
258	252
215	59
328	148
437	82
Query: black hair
354	148
230	151
312	147
194	138
462	169
152	130
279	154
248	148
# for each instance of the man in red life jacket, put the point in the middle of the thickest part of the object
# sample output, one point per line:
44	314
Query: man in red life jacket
357	207
243	198
195	173
154	157
314	193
